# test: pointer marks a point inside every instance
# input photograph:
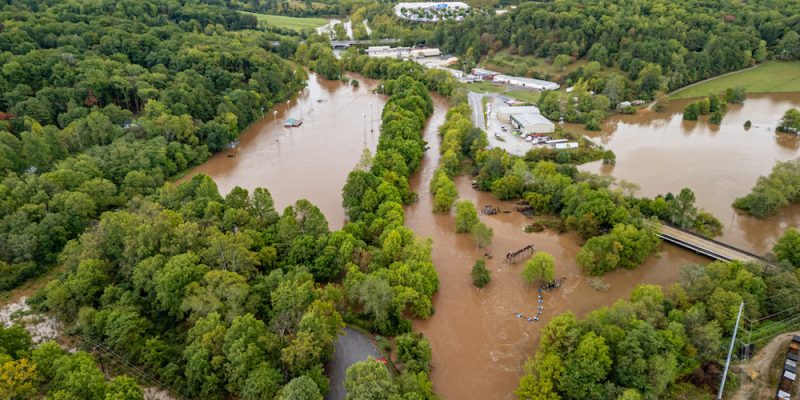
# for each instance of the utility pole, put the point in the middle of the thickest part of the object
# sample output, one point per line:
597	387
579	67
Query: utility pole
364	118
730	350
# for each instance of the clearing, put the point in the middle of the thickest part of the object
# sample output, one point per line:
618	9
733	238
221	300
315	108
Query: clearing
769	77
285	22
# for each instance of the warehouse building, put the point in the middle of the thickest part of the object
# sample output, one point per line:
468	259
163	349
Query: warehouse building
504	113
536	84
532	123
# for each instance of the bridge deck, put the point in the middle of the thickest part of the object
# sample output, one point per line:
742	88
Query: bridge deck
708	247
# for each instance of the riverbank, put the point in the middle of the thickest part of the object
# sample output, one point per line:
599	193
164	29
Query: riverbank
769	77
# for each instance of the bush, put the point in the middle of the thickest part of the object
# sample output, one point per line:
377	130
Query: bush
480	275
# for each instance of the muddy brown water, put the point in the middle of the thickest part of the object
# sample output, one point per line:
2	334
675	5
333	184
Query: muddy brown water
479	345
662	153
311	161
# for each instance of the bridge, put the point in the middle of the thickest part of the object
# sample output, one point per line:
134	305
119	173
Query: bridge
343	44
705	246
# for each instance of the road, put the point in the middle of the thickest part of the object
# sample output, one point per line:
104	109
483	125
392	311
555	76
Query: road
351	348
704	246
476	103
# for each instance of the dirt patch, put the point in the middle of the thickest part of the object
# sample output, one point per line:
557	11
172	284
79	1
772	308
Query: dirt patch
41	327
758	382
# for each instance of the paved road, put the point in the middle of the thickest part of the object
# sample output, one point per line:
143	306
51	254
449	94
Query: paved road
705	246
351	348
476	103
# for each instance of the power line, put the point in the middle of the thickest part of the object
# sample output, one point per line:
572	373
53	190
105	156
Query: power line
130	368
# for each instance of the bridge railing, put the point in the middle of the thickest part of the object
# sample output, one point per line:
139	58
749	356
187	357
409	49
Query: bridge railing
718	243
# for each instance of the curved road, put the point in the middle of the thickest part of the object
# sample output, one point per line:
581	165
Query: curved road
351	347
476	103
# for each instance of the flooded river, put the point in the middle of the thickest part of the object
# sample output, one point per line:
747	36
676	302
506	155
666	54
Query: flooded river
478	343
311	161
662	153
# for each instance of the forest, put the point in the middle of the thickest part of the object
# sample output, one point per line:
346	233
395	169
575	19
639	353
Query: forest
683	42
105	101
662	343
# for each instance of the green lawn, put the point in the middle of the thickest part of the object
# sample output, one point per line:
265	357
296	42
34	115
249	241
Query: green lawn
770	77
486	86
294	23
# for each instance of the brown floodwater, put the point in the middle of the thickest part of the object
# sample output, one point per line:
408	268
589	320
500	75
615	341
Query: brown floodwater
478	343
662	153
311	161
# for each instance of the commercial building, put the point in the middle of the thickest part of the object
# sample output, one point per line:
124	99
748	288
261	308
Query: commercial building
532	123
504	113
536	84
402	52
432	11
484	74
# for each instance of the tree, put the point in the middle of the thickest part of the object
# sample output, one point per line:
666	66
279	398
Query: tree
300	388
480	275
561	61
18	379
414	351
790	121
445	193
787	248
540	267
586	369
369	380
124	388
466	216
482	234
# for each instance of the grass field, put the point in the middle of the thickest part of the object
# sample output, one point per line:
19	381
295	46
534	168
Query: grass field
294	23
770	77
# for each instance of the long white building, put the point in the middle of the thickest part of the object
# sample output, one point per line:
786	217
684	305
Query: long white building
536	84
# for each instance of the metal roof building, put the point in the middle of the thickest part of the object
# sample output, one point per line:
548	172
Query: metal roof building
537	84
504	113
532	123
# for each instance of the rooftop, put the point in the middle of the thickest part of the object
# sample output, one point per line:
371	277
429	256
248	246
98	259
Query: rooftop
530	81
528	119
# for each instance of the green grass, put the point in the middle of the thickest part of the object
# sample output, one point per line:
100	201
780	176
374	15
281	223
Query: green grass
486	86
770	77
294	23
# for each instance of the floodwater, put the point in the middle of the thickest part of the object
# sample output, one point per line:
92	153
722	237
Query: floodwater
311	161
662	153
478	343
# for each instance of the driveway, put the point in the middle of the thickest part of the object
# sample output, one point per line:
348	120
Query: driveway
476	103
351	347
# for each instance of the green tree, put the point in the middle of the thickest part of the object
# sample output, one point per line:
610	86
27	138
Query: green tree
300	388
480	275
540	267
369	380
586	369
561	61
414	351
787	248
466	216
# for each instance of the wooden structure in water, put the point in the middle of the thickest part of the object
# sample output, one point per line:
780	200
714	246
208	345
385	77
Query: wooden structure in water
512	257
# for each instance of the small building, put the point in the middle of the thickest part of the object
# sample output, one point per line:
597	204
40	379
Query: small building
532	123
428	52
536	84
566	145
484	74
504	113
292	123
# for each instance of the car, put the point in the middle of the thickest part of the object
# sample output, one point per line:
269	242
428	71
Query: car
504	129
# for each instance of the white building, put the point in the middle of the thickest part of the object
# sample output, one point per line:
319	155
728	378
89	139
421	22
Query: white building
504	113
431	11
532	123
536	84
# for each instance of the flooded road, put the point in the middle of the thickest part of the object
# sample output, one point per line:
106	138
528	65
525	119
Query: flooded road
662	153
311	161
479	345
